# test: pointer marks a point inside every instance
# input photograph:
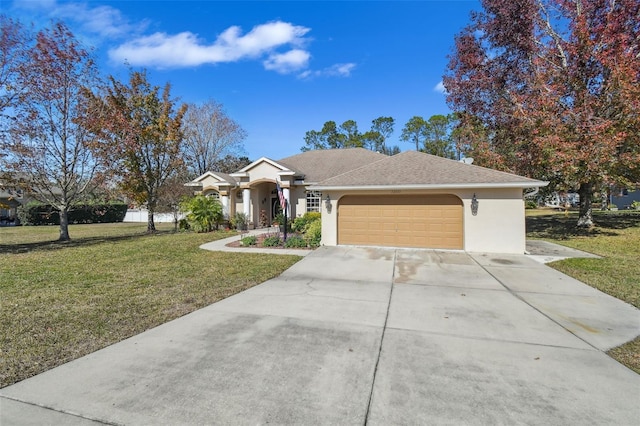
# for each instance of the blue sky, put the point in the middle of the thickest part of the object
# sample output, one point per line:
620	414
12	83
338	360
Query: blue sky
279	68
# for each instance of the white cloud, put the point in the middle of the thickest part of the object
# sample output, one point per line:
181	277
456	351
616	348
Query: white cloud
440	88
104	21
280	46
186	49
340	70
336	70
286	63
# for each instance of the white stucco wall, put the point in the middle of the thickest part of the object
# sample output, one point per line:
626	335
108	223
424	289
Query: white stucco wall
499	226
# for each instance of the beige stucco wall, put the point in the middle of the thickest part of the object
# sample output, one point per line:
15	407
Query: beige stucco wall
499	226
298	201
263	170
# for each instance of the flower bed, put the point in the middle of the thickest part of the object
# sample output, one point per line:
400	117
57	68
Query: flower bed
269	240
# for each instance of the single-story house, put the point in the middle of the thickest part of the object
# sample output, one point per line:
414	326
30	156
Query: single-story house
10	199
411	199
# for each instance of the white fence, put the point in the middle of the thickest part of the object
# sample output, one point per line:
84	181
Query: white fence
139	215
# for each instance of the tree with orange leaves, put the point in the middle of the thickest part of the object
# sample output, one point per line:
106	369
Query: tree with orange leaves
139	136
551	89
46	149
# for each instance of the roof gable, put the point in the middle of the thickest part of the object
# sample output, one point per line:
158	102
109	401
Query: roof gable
215	177
420	170
259	162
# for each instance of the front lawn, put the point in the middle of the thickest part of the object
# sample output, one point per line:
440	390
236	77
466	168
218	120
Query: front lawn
60	301
616	237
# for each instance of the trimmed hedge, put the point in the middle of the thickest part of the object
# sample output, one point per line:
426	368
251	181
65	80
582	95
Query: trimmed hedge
44	214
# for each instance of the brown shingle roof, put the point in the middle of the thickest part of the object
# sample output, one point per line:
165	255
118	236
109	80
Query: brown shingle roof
319	165
412	168
226	177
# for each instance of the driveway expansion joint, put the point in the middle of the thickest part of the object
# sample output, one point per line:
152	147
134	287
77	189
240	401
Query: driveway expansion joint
517	296
384	328
64	412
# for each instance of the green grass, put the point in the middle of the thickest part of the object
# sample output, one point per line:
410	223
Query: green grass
60	301
616	237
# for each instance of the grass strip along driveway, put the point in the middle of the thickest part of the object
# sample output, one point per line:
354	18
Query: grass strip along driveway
616	237
60	301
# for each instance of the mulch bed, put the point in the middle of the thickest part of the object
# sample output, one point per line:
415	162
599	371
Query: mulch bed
260	239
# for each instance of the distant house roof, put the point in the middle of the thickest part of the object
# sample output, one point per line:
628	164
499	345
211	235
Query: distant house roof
316	166
412	169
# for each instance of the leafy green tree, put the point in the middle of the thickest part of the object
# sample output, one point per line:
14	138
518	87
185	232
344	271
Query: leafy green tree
415	131
203	213
347	135
437	136
375	139
139	136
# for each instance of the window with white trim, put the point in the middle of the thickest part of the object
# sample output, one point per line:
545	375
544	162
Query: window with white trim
314	198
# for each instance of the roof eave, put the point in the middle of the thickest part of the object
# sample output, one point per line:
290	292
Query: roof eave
523	185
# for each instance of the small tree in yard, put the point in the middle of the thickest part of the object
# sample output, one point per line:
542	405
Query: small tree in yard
140	136
171	195
203	213
46	146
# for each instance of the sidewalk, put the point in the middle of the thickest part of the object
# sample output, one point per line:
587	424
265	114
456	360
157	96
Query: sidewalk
221	245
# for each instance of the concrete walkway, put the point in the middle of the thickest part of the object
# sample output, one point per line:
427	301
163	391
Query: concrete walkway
221	245
356	336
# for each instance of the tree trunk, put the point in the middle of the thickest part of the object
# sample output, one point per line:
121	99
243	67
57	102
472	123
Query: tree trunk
585	220
604	198
64	225
151	226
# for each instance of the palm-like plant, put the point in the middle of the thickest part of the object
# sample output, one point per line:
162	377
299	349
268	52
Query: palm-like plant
203	213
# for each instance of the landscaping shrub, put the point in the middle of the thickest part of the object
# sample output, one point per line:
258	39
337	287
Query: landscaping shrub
183	225
251	240
300	224
314	233
295	242
35	213
530	204
203	213
239	221
272	241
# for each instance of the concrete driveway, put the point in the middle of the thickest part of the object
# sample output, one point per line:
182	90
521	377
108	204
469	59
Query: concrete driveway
363	336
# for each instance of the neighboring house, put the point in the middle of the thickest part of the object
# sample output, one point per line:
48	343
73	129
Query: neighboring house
10	199
623	199
410	199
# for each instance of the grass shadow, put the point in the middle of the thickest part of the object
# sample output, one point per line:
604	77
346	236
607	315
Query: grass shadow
560	227
75	242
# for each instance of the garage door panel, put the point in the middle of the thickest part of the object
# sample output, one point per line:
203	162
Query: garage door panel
433	221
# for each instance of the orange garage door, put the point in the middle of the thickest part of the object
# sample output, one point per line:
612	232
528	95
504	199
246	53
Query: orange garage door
429	221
